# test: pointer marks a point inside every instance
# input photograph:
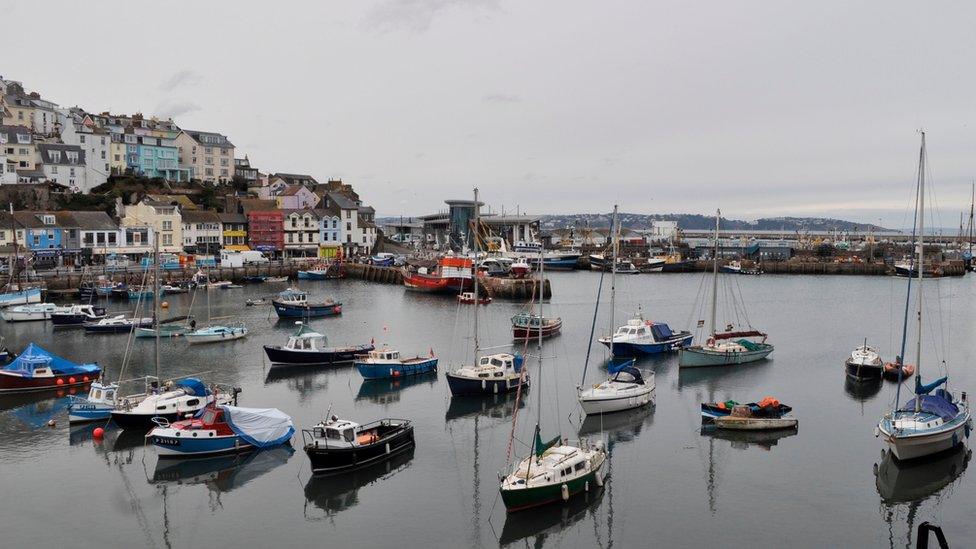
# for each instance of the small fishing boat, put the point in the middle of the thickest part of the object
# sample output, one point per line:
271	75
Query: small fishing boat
468	298
736	267
96	406
171	401
496	266
383	259
14	294
492	374
643	337
769	416
653	265
37	369
624	390
215	334
452	275
120	291
116	325
387	363
864	363
294	304
89	291
140	293
169	289
321	271
520	268
27	313
529	326
77	315
337	445
259	301
222	429
767	407
308	347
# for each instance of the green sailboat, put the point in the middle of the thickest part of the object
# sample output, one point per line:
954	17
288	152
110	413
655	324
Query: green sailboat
729	347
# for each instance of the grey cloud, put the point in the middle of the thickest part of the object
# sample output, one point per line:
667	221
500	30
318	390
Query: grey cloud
417	15
501	98
172	108
181	78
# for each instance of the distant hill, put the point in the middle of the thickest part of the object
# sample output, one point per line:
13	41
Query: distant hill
701	222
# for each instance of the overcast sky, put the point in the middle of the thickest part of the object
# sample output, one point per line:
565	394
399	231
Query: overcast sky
760	108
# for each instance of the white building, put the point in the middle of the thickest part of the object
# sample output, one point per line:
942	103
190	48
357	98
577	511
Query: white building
96	142
8	171
64	164
202	231
302	232
663	230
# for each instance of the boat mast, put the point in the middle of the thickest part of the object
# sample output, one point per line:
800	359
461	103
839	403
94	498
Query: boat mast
15	263
538	417
474	272
718	215
614	233
921	266
156	298
972	205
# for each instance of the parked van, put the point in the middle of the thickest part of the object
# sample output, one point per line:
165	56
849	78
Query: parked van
254	256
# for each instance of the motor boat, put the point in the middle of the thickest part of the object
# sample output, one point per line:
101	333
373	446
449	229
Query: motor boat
37	369
307	346
864	363
96	406
26	313
293	303
336	445
643	337
221	429
387	363
116	324
492	374
529	326
76	315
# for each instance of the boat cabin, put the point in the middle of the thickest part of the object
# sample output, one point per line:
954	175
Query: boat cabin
339	432
495	365
293	297
384	355
31	366
304	339
102	394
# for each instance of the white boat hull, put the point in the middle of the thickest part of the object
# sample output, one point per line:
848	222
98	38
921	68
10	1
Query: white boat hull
913	447
213	338
608	403
25	316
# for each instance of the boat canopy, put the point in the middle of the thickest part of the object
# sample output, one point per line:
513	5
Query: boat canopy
261	427
632	372
34	357
661	332
617	365
733	335
926	389
938	404
192	386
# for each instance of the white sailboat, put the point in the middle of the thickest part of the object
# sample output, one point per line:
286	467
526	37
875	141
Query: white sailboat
627	387
214	334
934	420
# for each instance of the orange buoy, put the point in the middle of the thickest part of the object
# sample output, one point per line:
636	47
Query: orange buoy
60	381
98	432
164	304
71	380
84	378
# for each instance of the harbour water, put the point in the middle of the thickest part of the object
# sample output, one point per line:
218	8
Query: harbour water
669	485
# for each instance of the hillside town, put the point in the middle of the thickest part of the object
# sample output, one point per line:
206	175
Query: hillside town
49	154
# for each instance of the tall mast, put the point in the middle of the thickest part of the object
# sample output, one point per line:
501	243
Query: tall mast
972	204
538	418
718	215
474	270
921	266
614	233
156	298
16	261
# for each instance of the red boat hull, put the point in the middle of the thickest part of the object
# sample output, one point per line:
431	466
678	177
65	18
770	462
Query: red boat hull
522	332
437	284
10	383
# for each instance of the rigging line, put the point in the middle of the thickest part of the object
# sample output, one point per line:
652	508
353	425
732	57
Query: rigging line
589	346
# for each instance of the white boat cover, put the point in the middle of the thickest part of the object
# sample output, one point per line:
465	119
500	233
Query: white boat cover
262	427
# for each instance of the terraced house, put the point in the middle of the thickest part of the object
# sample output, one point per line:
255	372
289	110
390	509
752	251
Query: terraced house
209	155
202	232
234	234
64	165
19	148
301	232
151	157
163	218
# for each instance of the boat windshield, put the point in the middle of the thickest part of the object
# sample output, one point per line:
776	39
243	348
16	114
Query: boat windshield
347	435
209	416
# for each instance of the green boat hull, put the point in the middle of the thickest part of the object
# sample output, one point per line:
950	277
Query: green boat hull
525	498
164	331
698	357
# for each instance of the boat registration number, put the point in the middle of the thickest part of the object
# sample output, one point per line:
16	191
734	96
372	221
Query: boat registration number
166	441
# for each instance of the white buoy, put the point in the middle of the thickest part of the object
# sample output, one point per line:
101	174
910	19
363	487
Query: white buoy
565	491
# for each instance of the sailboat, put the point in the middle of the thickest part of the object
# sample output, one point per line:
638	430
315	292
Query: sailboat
213	334
626	388
171	400
731	346
15	292
491	374
554	470
934	420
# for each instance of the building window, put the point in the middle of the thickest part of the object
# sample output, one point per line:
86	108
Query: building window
167	225
81	138
167	240
348	226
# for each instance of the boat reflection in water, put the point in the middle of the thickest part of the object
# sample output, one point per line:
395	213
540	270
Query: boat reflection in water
387	391
221	473
618	427
742	440
548	521
904	486
862	391
500	406
339	492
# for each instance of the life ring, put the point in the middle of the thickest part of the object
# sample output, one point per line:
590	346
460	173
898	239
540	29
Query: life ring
711	342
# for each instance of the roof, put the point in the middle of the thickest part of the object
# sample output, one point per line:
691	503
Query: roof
257	204
343	201
45	150
290	211
200	216
232	218
181	199
367	210
10	132
292	190
95	221
196	135
363	224
296	178
329	210
33	219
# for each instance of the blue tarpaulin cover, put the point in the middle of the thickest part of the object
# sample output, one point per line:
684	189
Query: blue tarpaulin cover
192	386
662	332
934	404
35	357
261	427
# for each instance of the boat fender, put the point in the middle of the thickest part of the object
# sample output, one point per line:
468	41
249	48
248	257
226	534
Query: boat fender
387	447
565	492
711	342
599	478
483	384
586	486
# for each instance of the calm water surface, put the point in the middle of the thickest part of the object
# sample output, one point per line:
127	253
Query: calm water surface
670	484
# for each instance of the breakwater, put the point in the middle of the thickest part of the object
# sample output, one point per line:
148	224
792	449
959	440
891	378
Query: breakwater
70	280
520	289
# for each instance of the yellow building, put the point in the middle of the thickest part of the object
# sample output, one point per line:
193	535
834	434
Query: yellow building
163	217
209	155
116	154
234	235
18	146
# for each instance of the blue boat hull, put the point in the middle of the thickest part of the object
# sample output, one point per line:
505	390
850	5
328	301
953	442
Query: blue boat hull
386	371
309	275
285	310
169	447
641	349
82	412
472	387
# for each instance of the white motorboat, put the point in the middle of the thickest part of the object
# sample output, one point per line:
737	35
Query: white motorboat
173	401
24	313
